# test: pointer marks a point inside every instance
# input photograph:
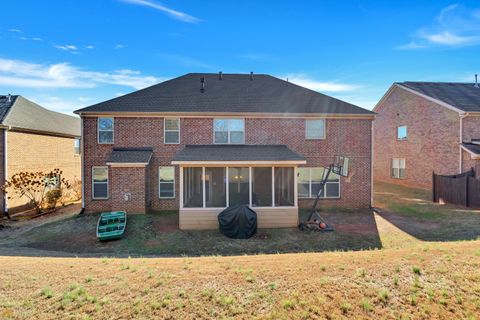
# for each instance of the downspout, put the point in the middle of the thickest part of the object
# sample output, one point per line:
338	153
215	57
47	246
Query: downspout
371	162
460	155
5	172
82	163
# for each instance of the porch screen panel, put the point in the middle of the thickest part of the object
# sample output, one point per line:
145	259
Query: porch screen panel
192	187
238	186
215	187
284	186
262	187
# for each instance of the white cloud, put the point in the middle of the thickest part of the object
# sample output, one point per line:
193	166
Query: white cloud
17	73
15	30
37	39
455	26
89	47
120	46
327	86
69	48
173	13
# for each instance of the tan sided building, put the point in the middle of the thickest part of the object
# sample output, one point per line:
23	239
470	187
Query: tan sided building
33	138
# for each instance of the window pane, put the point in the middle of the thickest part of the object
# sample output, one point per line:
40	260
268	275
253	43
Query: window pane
395	163
192	188
105	123
303	182
236	136
167	174
401	163
402	132
315	129
284	188
401	173
332	190
303	190
172	137
238	186
172	124
106	137
100	174
100	190
220	125
167	190
221	137
262	187
236	125
215	188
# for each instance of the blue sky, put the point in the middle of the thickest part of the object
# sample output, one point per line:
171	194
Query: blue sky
69	54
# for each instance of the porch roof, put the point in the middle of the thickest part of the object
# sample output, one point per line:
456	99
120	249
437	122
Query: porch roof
130	156
237	154
472	148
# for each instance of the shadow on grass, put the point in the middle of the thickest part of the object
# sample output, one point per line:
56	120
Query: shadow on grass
157	234
412	211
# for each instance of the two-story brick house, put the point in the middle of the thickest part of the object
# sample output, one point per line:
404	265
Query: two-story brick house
202	142
32	139
426	126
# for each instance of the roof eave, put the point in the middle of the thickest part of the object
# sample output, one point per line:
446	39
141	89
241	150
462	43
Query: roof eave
239	162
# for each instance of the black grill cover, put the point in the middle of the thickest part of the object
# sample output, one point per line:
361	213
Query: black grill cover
238	222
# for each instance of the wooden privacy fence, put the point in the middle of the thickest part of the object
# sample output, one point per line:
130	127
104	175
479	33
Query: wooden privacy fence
462	189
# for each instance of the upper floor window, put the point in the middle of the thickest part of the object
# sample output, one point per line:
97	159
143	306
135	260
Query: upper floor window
315	129
402	133
105	130
76	146
171	131
398	168
229	131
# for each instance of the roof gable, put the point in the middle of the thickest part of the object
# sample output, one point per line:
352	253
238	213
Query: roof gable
231	93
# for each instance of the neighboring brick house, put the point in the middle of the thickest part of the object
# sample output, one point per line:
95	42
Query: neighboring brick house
174	146
33	138
423	127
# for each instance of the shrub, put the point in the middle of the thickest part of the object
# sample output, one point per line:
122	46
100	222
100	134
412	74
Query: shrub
52	197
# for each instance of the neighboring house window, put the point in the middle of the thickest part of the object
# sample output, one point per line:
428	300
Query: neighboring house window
171	131
229	131
105	130
315	129
76	145
100	182
402	133
166	183
398	168
309	180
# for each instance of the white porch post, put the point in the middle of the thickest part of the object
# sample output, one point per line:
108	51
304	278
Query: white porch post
227	202
181	187
250	187
203	188
273	186
295	186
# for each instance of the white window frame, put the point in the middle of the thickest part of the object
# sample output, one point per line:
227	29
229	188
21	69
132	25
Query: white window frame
165	130
160	183
107	183
396	174
250	170
228	130
77	150
113	130
324	193
324	134
406	133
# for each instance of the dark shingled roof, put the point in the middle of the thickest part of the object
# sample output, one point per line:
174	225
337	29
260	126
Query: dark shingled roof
235	93
24	114
237	153
463	96
130	155
474	148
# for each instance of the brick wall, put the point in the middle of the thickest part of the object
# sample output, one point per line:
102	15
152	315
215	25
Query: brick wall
471	128
346	137
35	152
135	188
468	163
2	169
432	143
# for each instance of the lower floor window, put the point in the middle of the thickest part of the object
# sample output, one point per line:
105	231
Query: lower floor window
100	183
166	182
398	168
309	182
